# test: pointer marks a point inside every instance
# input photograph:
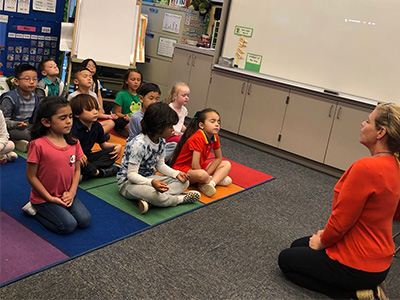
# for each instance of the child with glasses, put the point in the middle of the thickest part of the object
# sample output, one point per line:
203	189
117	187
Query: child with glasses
19	105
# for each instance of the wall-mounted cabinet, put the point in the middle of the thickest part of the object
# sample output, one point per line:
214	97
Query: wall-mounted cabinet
194	69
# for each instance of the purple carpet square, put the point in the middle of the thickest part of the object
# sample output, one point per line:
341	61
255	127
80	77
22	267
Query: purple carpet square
22	251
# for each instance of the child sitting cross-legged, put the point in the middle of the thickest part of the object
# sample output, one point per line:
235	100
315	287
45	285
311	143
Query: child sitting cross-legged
144	154
89	131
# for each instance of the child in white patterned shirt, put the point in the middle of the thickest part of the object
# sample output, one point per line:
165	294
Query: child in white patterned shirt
145	153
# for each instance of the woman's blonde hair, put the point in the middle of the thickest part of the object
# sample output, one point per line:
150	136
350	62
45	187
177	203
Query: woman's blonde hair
175	89
389	118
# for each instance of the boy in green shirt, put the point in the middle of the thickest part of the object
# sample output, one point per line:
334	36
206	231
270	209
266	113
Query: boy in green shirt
50	85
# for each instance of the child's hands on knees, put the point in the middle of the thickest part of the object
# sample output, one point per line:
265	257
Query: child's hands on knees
67	198
83	161
183	177
159	185
58	201
116	153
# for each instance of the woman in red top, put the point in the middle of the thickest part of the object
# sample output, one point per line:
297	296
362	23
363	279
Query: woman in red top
351	256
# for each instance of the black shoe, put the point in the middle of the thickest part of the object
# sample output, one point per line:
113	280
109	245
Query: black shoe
110	172
107	136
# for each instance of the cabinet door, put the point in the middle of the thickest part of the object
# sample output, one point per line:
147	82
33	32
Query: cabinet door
226	95
344	147
180	67
263	112
199	80
307	125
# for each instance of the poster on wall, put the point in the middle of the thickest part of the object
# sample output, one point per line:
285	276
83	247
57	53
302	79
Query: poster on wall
44	5
30	41
23	6
10	5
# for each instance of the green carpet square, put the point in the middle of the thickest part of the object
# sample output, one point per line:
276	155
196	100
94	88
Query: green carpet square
110	194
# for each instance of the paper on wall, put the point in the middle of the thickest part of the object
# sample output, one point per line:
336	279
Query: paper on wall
67	32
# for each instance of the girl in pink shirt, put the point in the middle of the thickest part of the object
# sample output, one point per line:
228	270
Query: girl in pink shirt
53	169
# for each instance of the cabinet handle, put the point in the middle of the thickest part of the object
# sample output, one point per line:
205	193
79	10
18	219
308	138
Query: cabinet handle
188	59
248	90
194	60
330	111
243	85
338	113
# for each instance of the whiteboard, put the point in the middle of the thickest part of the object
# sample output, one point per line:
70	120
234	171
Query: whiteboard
350	46
105	31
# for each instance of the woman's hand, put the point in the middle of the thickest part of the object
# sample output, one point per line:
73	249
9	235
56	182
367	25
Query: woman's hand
159	186
315	242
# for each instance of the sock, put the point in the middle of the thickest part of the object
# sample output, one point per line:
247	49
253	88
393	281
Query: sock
212	183
101	173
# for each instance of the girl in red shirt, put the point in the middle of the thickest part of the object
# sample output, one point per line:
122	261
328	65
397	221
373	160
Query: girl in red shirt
191	153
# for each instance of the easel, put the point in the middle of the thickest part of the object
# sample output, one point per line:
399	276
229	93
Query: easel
74	59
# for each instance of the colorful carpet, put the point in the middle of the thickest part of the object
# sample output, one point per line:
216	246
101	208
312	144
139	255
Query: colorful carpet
27	247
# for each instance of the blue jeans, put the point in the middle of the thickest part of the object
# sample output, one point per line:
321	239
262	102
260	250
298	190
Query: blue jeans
62	220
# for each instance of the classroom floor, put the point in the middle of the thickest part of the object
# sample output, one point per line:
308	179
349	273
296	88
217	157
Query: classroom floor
226	250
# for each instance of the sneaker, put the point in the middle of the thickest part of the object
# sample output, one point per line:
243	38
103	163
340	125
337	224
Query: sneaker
382	292
226	181
365	295
207	189
110	172
143	206
11	156
3	159
191	197
29	209
22	145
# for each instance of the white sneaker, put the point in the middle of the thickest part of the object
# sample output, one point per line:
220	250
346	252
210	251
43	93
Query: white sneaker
29	209
191	197
21	145
225	182
143	206
207	189
11	156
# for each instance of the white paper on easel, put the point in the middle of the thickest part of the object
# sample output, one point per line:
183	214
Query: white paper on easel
67	32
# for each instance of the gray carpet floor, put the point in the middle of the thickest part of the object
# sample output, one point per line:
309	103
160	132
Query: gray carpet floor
226	250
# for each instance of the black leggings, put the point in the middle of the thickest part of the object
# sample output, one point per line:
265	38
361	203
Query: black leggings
314	270
97	160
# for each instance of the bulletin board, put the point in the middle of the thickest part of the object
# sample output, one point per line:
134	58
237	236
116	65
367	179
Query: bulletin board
348	46
32	32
